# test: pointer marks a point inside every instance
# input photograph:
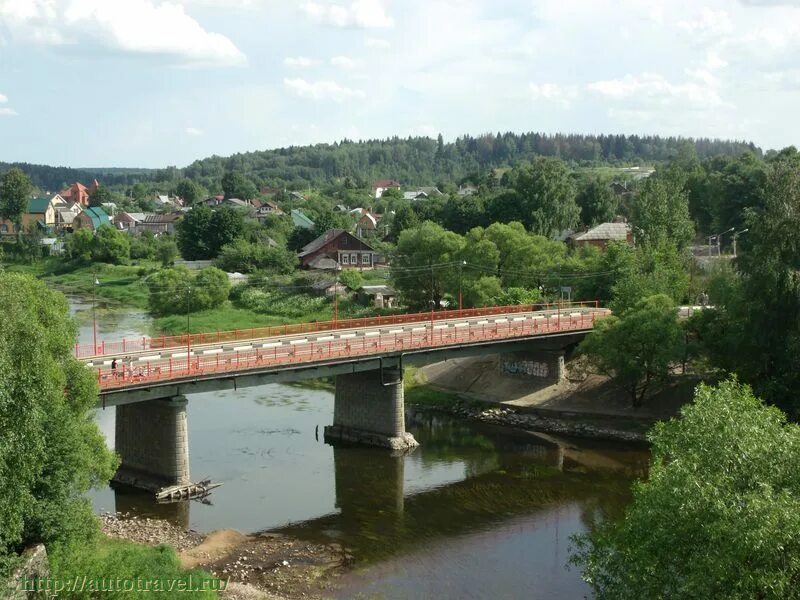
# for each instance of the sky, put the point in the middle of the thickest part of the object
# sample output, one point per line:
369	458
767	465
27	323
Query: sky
152	83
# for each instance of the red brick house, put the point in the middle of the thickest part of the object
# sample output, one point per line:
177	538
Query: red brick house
78	193
338	248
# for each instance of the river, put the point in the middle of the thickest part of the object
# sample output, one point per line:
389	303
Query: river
476	511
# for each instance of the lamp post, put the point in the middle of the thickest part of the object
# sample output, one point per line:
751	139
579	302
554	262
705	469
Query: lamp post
430	264
188	331
736	235
461	265
718	238
95	283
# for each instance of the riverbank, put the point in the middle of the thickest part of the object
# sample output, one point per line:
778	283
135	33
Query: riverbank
257	566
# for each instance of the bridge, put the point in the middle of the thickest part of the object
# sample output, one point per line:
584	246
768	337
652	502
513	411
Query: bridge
147	379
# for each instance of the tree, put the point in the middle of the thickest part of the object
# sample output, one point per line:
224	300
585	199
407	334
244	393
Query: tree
192	231
226	224
661	212
210	289
247	257
717	517
541	196
236	185
638	347
52	452
166	251
78	245
656	270
352	279
404	218
15	191
170	291
424	267
111	246
189	191
101	195
597	202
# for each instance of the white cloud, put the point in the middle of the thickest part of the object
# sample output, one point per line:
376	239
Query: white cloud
194	131
552	92
149	27
322	90
655	89
377	43
344	62
366	14
708	23
6	111
300	62
3	98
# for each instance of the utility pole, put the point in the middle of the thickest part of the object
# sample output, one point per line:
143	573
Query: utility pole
188	332
336	297
94	311
736	235
460	304
430	264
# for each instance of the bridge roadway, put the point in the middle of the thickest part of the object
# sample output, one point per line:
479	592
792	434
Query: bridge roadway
150	368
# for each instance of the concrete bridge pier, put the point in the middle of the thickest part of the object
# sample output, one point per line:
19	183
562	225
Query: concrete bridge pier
369	408
152	440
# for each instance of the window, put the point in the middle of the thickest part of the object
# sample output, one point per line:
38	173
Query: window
345	259
365	259
354	259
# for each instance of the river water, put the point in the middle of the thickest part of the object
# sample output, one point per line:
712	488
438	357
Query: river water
475	512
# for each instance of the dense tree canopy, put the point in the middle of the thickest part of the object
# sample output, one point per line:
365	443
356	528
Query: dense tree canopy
51	451
15	191
719	514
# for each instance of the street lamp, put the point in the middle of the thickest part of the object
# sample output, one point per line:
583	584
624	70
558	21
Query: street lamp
461	265
717	237
736	235
95	283
188	332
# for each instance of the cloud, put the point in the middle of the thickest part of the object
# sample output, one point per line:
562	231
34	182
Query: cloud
138	27
364	14
707	23
6	111
655	89
552	92
300	62
377	43
322	90
344	62
194	131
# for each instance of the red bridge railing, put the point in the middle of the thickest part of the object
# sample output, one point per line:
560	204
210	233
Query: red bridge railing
319	351
142	344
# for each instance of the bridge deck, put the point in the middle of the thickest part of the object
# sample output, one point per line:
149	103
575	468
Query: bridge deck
153	365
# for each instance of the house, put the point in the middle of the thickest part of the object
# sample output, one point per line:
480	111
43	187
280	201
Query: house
236	203
369	225
328	288
422	193
158	223
338	248
467	190
55	246
269	191
379	296
109	207
92	218
265	208
300	220
341	208
381	185
40	212
127	221
65	215
214	200
79	193
601	235
297	196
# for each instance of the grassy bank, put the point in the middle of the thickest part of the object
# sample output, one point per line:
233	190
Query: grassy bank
121	284
419	393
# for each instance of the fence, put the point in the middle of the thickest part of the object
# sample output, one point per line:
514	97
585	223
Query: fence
317	351
143	344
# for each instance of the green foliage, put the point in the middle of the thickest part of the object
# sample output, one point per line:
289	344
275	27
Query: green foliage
351	278
540	195
189	191
655	270
405	218
236	185
176	290
15	191
166	250
100	195
637	347
247	257
111	559
718	517
110	246
597	202
661	212
481	291
51	452
202	233
285	304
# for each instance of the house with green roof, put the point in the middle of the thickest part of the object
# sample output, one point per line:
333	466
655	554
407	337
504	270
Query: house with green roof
92	218
40	212
299	219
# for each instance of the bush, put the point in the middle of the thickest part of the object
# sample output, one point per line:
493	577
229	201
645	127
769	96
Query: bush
111	246
352	279
246	257
174	291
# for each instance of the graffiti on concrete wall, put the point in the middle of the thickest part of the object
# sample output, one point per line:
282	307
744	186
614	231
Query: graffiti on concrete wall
526	367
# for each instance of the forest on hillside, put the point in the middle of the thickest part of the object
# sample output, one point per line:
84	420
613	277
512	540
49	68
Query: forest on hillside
412	161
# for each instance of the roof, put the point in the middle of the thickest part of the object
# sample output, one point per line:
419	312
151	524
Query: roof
97	216
300	220
369	218
237	202
66	216
326	284
414	195
38	206
162	218
325	238
323	263
605	231
372	290
385	183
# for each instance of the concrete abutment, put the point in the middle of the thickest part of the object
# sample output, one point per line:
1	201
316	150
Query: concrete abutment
369	408
152	440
